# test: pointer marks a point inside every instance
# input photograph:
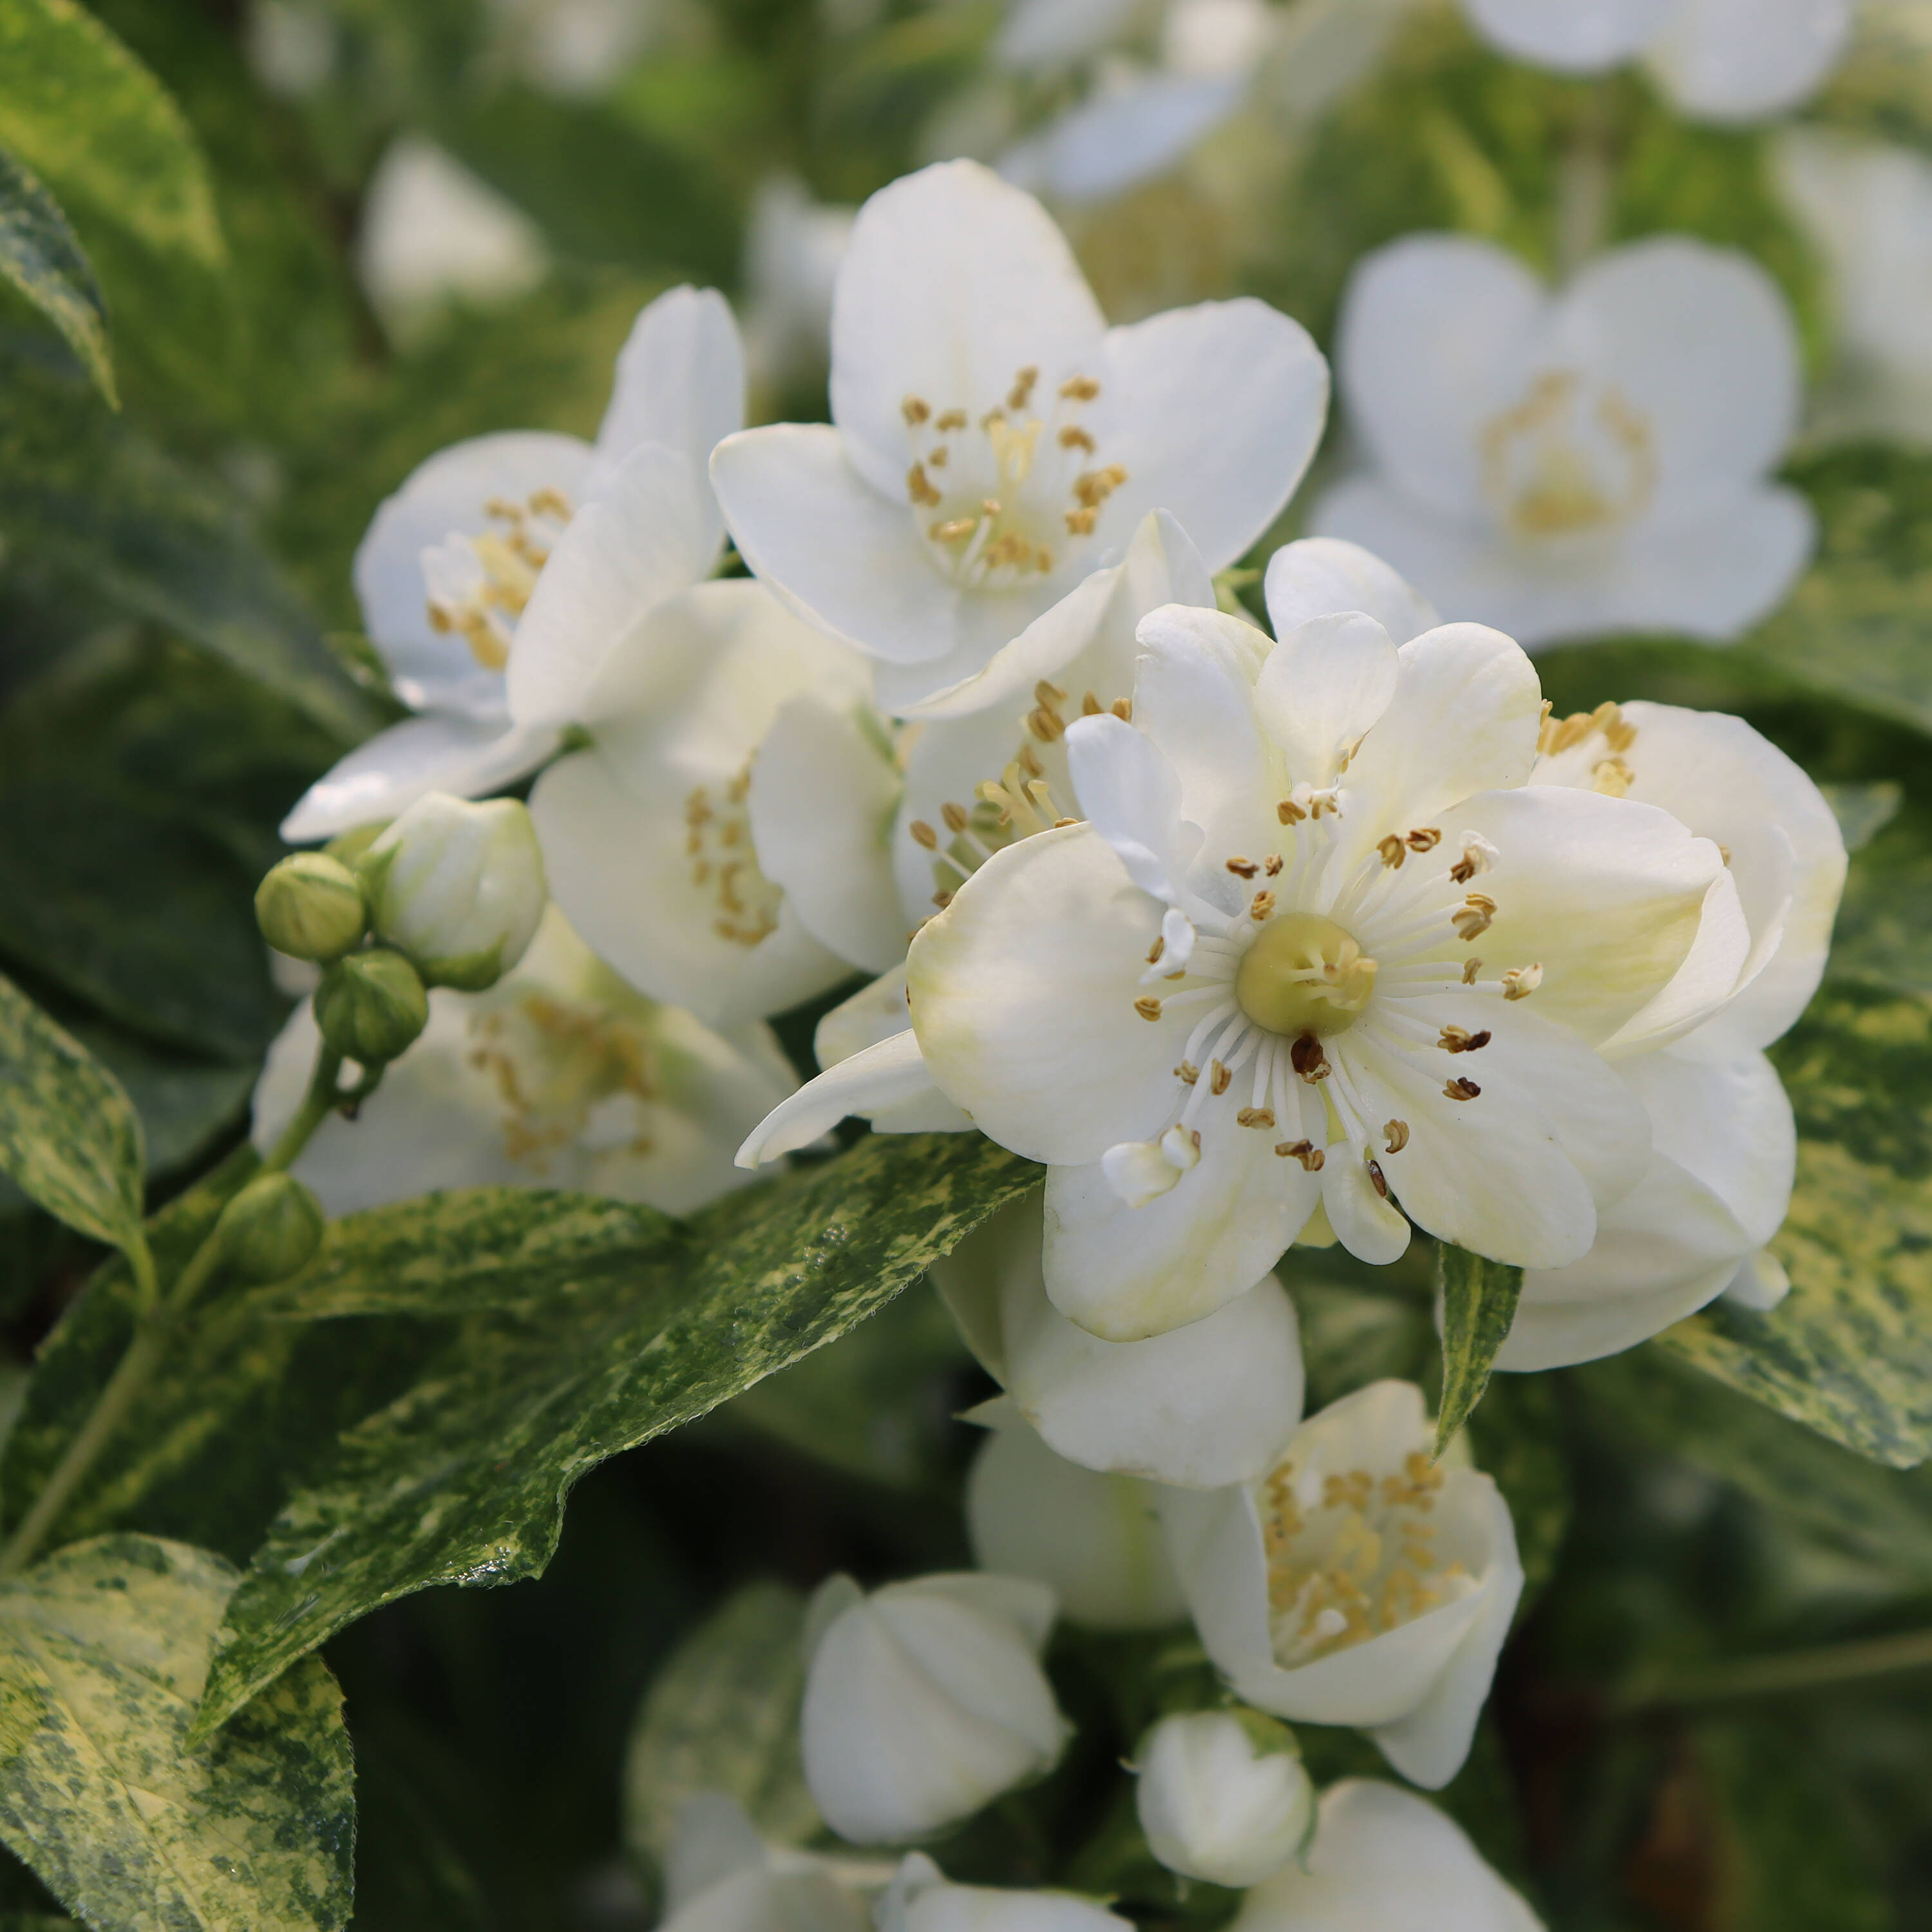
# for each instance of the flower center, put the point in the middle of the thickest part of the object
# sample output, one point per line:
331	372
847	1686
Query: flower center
1555	468
1304	974
1003	498
1350	1557
478	586
718	841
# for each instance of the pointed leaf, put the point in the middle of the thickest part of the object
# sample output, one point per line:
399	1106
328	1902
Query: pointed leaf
1479	1297
41	256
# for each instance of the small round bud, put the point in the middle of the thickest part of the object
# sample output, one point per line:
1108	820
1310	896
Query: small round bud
271	1229
458	886
310	907
370	1005
1223	1796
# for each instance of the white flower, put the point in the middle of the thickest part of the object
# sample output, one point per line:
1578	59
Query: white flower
575	47
1318	942
722	1877
793	248
560	1076
451	567
994	445
1207	1405
1093	1539
920	1899
1722	1142
433	232
1358	1582
925	1700
1217	1804
1564	465
1384	1860
1718	60
457	886
1866	207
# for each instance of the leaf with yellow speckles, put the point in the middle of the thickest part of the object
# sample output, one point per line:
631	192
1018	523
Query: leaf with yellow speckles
103	1651
1479	1298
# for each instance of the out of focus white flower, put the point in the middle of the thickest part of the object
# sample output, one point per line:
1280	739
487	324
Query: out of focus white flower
793	248
1717	60
574	46
559	1076
1358	1583
1221	1799
434	233
453	561
1866	207
1723	1146
291	45
1384	1860
993	443
1566	466
458	886
722	1877
925	1700
1207	1405
1093	1539
920	1899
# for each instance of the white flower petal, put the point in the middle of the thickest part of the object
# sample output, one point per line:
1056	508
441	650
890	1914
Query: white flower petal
1572	36
1132	797
1326	681
1317	576
1719	957
1217	411
386	774
1122	136
434	669
874	1014
647	536
1368	1224
843	556
952	282
1044	35
876	1079
1741	60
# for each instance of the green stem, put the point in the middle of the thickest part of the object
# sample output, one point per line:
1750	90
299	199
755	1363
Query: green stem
1795	1670
156	1319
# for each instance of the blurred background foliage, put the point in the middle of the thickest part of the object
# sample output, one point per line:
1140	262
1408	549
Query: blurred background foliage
182	490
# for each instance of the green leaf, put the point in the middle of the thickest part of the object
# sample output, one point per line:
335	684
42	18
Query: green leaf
95	125
103	1651
1479	1298
1849	1352
1517	1439
722	1715
464	1479
69	1137
41	255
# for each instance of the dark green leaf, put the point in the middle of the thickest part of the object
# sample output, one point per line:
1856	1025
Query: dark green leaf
723	1716
41	256
69	1137
1517	1437
183	1104
1849	1352
103	1651
464	1479
1479	1298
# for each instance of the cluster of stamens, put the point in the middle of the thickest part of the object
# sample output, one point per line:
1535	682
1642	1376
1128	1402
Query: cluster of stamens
1554	468
974	501
717	842
554	1064
479	592
1612	774
1359	1563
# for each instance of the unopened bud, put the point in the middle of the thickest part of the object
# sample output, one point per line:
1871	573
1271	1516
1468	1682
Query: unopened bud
458	886
370	1005
271	1229
310	907
1223	1796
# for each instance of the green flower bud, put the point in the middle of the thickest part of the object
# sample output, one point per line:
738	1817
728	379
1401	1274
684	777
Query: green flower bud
370	1005
458	886
271	1229
310	907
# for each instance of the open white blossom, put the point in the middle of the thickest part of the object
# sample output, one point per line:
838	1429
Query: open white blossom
452	561
722	1877
574	47
1207	1405
1092	1538
1722	1142
994	445
925	1700
1866	206
1317	942
1564	465
1716	60
1221	1799
1358	1581
921	1899
793	248
1384	1860
559	1076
